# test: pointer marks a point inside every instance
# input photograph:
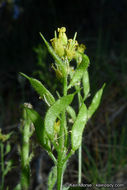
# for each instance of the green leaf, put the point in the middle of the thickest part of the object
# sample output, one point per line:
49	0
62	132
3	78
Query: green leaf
95	102
71	112
79	71
18	187
78	127
86	84
53	113
8	167
39	128
54	55
41	90
52	178
65	188
8	148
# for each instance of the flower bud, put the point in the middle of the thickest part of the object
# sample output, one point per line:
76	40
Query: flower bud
78	55
62	35
81	48
58	47
70	50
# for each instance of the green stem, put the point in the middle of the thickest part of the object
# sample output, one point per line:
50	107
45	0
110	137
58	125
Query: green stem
52	157
60	155
79	150
65	122
68	156
59	174
80	164
61	149
25	168
2	165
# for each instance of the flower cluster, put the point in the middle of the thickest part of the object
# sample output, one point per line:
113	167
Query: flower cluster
67	48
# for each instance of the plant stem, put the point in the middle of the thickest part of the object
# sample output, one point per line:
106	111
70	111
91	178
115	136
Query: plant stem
79	151
68	156
25	168
61	150
2	165
60	154
80	164
59	174
53	157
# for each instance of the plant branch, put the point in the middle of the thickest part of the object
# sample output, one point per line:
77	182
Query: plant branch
68	156
52	157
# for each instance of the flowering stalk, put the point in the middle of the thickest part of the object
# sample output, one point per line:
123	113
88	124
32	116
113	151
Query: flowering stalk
53	131
61	150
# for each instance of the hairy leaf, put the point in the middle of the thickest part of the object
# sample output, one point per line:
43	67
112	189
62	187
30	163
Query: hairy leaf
79	71
41	90
86	84
71	112
52	178
53	113
78	127
95	102
39	128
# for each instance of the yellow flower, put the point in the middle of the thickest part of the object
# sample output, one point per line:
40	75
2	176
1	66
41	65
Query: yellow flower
59	43
57	127
71	49
62	35
58	46
67	48
81	48
62	30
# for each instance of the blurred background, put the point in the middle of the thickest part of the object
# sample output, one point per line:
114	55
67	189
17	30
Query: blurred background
102	27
